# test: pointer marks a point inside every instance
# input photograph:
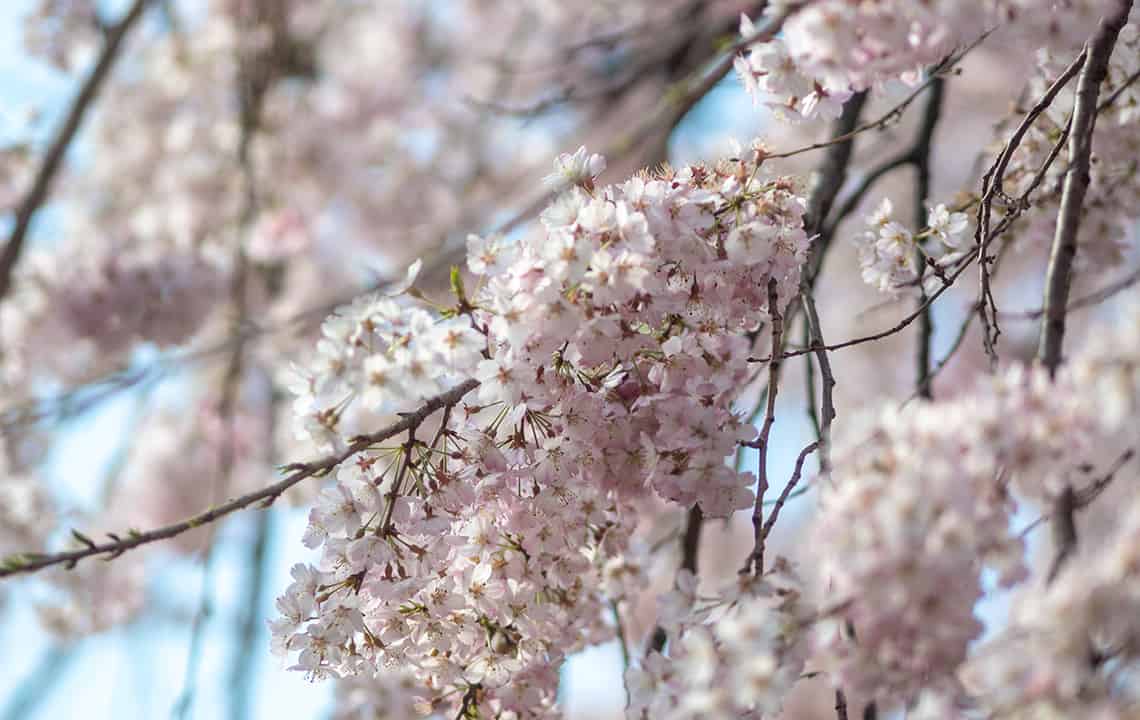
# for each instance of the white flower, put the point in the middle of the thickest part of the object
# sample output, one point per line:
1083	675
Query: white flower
577	169
948	227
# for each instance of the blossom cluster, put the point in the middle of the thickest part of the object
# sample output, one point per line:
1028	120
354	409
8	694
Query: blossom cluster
1070	648
100	305
609	348
736	654
927	492
890	254
830	49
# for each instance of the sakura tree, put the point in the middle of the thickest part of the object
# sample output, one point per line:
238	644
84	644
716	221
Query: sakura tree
781	423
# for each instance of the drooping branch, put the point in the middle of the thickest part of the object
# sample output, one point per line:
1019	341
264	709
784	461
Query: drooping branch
1093	298
21	563
57	150
1059	274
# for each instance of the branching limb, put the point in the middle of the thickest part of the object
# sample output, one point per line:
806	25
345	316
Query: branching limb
32	562
787	491
1084	496
897	327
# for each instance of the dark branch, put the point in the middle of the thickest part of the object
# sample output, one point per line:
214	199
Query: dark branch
56	152
921	159
31	562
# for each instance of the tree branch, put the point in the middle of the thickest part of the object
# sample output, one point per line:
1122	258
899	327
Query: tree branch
56	152
755	561
827	379
991	187
32	562
1058	276
921	159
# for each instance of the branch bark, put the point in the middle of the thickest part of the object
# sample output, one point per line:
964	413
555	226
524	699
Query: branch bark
1059	275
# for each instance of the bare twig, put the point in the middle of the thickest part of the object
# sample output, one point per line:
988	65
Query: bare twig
686	93
24	699
53	159
787	491
1064	531
243	668
1115	94
32	562
991	187
897	327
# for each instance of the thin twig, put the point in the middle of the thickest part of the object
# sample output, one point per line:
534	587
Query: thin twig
840	704
39	684
895	113
240	682
787	491
684	95
1115	95
31	562
1064	531
897	327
